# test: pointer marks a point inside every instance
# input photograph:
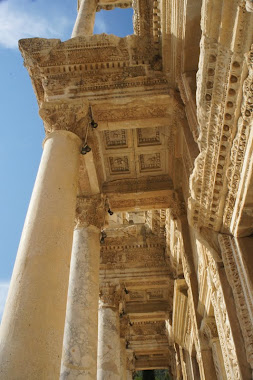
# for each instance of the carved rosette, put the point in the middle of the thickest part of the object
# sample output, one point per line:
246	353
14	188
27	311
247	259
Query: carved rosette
110	295
66	115
90	211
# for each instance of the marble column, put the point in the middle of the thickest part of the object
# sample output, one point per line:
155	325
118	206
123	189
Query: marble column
85	20
79	360
32	327
108	335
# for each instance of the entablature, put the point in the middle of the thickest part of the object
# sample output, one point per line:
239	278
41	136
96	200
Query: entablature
85	66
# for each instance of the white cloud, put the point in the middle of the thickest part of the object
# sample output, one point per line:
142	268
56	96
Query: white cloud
17	23
100	25
4	287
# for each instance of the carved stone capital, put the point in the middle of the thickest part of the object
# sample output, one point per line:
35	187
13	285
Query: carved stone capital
67	115
209	330
90	211
110	295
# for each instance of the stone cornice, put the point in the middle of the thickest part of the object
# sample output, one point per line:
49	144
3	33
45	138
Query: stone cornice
219	103
241	160
84	65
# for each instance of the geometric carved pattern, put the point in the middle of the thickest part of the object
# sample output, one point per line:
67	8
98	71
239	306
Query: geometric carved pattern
150	162
119	165
148	136
116	139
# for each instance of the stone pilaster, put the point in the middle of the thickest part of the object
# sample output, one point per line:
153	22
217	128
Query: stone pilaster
109	334
210	332
130	364
33	322
123	371
79	359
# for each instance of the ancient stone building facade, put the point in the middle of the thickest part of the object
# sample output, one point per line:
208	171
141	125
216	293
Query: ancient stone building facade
157	129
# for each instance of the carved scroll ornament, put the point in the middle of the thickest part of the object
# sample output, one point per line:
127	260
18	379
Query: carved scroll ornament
67	115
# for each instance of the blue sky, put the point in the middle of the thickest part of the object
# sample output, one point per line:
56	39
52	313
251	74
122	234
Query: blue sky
21	131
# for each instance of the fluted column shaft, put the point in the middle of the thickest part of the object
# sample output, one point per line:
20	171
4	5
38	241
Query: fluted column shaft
33	322
85	20
79	359
108	341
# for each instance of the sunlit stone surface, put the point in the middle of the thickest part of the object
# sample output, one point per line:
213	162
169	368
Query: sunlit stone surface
171	160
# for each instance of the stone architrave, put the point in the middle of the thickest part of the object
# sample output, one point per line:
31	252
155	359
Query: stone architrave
79	359
33	323
109	334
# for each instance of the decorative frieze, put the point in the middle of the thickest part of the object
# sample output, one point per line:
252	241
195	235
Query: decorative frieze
98	63
136	256
232	209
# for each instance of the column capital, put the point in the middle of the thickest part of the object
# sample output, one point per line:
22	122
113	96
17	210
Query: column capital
209	329
90	211
68	115
110	295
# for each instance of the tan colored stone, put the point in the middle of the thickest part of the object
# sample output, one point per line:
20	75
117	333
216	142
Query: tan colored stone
33	322
172	158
